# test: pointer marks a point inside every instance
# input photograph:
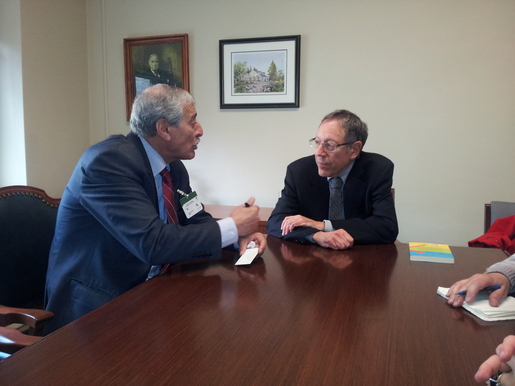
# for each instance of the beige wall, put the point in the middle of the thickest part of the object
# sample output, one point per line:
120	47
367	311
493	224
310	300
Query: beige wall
12	140
55	91
433	80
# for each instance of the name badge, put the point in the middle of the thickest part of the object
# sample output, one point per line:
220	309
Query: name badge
190	204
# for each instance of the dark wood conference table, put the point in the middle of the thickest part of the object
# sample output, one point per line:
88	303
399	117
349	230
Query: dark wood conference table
300	315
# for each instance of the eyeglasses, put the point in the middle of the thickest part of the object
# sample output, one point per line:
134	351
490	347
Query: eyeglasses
328	146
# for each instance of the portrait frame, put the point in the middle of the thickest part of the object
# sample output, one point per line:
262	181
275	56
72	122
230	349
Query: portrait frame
171	52
251	78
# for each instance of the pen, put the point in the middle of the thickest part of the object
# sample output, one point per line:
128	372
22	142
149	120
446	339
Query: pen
182	193
491	288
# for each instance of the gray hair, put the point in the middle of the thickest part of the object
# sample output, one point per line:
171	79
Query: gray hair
355	128
155	103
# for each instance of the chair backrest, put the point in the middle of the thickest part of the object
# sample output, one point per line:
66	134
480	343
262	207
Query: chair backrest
496	210
27	224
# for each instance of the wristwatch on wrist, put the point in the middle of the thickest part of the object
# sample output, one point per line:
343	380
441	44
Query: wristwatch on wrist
495	380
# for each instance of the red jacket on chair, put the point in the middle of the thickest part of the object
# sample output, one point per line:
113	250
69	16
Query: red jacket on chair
500	235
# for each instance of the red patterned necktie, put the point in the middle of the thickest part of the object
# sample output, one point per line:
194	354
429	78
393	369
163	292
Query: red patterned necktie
171	212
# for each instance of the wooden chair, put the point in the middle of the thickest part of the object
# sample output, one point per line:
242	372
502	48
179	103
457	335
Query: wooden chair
21	327
27	223
496	210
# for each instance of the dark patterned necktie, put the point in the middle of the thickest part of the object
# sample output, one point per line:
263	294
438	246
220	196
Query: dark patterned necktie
171	212
336	199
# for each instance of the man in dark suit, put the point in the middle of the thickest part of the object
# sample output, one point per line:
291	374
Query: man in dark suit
155	74
359	208
114	229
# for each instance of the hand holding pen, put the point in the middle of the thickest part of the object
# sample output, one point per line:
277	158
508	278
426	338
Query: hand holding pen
246	217
467	289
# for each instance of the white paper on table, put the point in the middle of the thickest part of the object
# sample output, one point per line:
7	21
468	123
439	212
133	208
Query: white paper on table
247	257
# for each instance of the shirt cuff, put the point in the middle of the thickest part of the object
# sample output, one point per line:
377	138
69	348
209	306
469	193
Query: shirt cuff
228	231
328	226
310	239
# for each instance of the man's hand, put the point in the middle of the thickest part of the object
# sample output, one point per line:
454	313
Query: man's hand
476	283
257	237
338	239
503	361
291	222
246	218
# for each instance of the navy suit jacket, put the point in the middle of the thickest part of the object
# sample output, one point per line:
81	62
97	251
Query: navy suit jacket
109	234
368	202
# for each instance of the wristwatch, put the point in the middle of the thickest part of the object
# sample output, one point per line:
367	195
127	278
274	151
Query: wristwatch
495	380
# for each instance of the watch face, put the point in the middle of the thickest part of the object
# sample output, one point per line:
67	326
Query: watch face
494	379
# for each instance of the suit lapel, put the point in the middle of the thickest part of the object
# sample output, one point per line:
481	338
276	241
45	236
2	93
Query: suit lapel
180	181
149	183
319	193
354	190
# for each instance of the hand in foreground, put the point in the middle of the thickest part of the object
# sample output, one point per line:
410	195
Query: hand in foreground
291	222
504	360
476	283
246	218
257	237
338	239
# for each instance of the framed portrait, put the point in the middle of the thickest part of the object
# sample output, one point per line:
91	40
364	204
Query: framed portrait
260	72
152	60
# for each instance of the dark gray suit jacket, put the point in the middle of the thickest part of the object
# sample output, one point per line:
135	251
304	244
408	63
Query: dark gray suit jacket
368	202
109	234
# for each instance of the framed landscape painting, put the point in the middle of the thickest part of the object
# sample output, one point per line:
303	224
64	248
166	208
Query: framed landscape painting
260	72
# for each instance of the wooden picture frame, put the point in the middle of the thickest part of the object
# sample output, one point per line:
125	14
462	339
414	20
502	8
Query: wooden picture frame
140	57
260	72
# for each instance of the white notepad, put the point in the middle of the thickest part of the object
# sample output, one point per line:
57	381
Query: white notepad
483	310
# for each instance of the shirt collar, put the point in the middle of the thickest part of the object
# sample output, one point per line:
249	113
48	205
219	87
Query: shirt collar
345	173
157	163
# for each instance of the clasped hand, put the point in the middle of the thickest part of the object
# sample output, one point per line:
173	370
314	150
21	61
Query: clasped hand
338	239
291	222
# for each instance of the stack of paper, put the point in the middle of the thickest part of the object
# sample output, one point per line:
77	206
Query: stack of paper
483	310
434	253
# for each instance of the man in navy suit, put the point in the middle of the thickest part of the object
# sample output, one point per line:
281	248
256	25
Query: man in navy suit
112	230
366	213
